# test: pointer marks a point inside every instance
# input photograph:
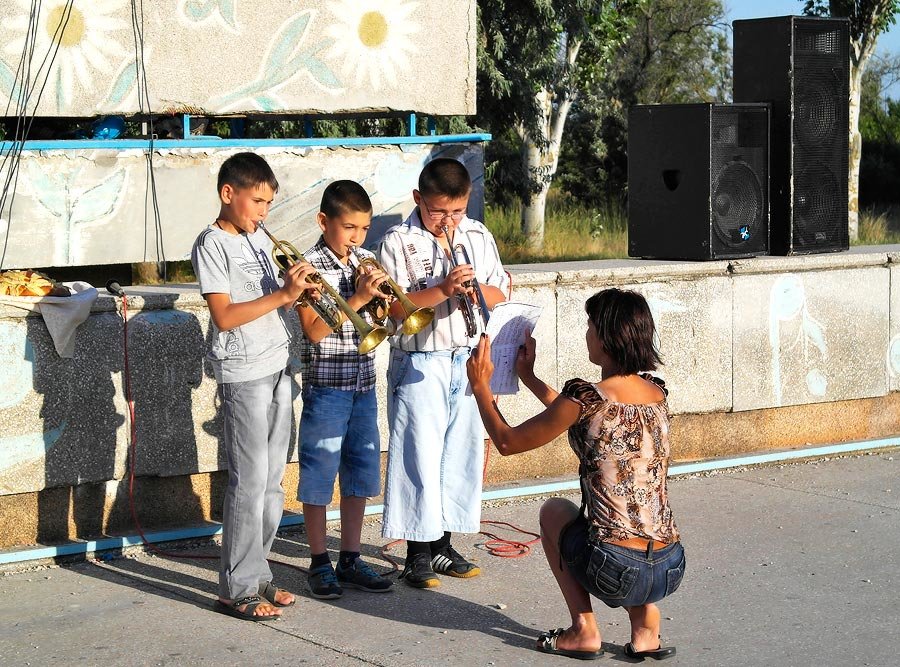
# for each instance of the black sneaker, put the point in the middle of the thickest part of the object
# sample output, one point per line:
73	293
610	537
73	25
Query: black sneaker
418	573
450	562
361	576
323	583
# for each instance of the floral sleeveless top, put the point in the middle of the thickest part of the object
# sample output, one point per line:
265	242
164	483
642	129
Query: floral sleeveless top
623	449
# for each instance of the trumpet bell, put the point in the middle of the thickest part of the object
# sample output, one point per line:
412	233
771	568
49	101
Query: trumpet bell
417	320
371	340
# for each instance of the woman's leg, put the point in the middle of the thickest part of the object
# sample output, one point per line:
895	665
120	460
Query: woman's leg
583	635
644	627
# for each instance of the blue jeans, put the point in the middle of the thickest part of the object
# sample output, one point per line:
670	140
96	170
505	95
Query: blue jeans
619	576
338	435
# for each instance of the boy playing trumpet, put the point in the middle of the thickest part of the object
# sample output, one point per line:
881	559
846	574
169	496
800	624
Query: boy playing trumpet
339	426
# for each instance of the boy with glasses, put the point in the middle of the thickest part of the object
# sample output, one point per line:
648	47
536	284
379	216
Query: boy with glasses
436	445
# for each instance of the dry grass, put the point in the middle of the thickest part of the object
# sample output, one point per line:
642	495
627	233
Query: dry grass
571	232
879	226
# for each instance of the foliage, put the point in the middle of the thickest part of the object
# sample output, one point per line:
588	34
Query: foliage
879	125
678	53
574	232
867	17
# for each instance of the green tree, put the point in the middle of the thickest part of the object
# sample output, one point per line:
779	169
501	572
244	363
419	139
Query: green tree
534	58
678	53
879	127
868	19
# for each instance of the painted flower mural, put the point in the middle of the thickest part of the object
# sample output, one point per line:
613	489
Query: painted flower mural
85	37
372	39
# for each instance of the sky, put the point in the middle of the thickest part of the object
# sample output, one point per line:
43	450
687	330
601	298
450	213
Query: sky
888	42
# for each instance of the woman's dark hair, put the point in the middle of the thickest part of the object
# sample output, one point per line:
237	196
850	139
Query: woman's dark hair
445	176
345	197
625	327
246	170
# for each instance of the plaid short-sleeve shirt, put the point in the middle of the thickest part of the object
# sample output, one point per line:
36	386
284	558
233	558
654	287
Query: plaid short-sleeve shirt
334	361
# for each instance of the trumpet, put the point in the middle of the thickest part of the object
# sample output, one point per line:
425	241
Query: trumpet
463	300
332	306
415	318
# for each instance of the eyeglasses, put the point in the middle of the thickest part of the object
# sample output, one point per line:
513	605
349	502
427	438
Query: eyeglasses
440	216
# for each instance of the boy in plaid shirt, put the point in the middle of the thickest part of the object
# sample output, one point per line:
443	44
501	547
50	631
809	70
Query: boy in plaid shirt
338	425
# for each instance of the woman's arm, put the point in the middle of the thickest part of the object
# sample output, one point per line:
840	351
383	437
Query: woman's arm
537	431
525	370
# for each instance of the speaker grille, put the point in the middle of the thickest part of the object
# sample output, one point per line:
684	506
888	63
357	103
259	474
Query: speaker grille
820	121
739	144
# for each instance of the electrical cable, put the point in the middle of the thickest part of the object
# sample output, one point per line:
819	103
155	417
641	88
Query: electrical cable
115	289
7	196
143	91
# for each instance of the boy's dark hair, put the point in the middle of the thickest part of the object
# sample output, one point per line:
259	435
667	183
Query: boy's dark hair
345	197
445	176
246	170
625	327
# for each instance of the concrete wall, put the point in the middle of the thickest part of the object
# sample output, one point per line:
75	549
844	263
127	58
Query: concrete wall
243	56
84	207
759	354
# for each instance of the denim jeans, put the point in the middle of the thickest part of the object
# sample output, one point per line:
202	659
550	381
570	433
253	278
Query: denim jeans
257	433
436	447
338	435
619	576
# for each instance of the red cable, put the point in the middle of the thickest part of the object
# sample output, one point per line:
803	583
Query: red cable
133	449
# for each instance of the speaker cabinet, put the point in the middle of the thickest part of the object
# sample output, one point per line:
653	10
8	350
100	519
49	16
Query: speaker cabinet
801	66
698	181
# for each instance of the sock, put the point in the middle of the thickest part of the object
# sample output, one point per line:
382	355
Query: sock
413	548
319	559
440	543
347	558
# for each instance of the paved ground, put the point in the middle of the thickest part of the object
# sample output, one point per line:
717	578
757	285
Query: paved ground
791	564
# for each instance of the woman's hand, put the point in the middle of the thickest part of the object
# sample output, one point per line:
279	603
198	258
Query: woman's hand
525	357
479	366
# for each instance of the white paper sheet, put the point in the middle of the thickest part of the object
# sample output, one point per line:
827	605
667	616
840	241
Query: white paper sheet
507	326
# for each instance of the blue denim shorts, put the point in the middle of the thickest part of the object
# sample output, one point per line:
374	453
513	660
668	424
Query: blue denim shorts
338	436
619	576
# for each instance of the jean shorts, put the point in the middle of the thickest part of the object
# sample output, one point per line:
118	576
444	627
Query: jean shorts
619	576
338	436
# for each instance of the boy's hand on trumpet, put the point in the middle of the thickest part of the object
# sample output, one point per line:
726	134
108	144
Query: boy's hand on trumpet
296	281
369	282
458	281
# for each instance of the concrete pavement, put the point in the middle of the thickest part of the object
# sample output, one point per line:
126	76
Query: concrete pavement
792	564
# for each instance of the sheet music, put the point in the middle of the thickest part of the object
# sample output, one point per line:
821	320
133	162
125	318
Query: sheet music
507	326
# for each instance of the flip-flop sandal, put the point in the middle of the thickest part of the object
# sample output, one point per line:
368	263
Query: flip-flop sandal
252	602
659	653
547	644
269	590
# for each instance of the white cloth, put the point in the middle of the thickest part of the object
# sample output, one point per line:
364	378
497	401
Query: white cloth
62	314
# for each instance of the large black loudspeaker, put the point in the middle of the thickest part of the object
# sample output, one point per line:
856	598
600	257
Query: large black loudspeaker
698	180
802	67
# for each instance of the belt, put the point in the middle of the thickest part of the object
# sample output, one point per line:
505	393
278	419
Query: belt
638	543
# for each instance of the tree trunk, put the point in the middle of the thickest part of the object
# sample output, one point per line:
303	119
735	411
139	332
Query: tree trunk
533	215
146	273
855	150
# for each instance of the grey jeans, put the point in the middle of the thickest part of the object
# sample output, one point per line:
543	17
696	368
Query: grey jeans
257	434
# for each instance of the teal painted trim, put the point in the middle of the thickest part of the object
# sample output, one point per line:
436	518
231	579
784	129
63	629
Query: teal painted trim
186	126
212	142
411	125
81	548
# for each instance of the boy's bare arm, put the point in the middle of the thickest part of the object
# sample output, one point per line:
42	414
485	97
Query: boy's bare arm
227	315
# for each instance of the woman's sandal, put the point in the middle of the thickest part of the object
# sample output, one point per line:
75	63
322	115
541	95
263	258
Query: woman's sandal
252	602
546	643
659	653
269	590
